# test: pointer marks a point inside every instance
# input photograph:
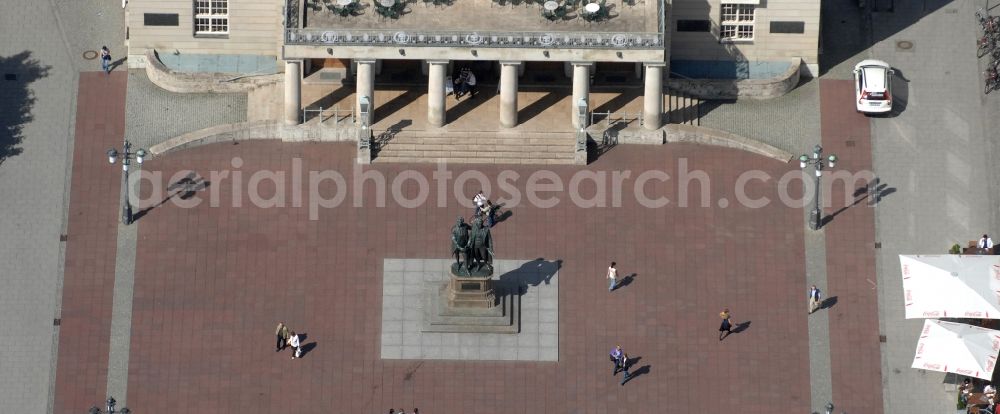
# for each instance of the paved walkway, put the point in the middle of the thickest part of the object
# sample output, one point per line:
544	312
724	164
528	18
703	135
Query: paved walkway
84	336
850	257
43	47
231	273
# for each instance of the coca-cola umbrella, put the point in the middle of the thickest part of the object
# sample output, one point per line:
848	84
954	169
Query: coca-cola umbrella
959	348
951	286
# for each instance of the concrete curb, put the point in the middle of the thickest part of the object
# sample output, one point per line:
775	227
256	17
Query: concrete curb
672	133
182	82
709	136
244	131
745	88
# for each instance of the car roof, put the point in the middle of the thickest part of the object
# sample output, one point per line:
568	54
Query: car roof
874	78
874	74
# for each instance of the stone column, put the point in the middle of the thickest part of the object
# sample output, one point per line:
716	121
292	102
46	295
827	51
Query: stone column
508	94
652	99
435	92
581	90
365	87
293	92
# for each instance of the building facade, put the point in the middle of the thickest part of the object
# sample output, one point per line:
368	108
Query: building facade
356	38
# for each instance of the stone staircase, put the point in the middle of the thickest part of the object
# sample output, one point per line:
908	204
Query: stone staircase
474	147
682	108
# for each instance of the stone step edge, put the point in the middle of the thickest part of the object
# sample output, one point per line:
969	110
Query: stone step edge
408	160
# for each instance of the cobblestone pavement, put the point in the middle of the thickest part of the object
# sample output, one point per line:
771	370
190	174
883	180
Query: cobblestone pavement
211	283
790	122
43	47
155	115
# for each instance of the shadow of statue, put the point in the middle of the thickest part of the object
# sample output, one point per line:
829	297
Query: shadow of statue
533	273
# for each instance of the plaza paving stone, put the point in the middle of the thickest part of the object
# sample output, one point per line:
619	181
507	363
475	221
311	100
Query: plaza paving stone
211	283
84	332
855	353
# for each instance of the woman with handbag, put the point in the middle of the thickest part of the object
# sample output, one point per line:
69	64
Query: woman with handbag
727	324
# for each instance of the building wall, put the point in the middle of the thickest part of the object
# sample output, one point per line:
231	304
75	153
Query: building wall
254	28
765	46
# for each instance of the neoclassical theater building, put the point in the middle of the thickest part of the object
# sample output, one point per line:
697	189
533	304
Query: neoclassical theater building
502	40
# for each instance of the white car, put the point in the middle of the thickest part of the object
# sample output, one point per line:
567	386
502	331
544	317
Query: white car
872	86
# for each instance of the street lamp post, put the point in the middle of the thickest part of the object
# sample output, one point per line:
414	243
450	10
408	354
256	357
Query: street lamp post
126	155
816	160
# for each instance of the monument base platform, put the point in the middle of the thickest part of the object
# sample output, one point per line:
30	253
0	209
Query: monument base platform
439	316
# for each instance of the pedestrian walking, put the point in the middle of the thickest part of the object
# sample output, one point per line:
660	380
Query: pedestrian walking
727	324
616	359
625	369
470	81
479	200
814	298
612	276
281	333
105	60
295	344
490	211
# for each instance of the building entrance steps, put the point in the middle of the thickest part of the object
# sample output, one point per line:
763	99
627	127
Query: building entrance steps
485	147
682	108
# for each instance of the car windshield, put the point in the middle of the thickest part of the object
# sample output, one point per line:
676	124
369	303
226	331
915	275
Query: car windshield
876	96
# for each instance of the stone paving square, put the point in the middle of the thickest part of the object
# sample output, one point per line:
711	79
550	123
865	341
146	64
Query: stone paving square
211	283
407	282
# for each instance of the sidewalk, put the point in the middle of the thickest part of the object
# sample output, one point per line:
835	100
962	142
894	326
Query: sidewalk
84	332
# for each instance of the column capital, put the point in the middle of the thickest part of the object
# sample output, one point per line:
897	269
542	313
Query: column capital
588	64
510	62
366	61
654	64
437	61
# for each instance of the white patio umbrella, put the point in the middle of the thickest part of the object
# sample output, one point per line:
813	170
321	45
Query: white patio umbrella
951	286
959	348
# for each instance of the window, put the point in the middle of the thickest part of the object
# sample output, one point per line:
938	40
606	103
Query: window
211	17
737	22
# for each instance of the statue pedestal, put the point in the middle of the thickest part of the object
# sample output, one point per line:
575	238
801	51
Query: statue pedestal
471	292
468	304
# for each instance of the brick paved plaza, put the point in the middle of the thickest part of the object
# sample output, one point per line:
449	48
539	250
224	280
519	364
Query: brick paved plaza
176	312
212	280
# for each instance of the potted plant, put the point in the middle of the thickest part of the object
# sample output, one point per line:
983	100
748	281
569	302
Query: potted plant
955	249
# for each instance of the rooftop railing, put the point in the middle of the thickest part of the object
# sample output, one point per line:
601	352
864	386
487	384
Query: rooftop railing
571	40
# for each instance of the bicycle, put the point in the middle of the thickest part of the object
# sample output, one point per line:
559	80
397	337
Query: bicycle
991	80
986	44
989	24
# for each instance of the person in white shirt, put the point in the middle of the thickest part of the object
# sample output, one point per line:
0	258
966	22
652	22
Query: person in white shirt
612	276
985	243
480	201
293	341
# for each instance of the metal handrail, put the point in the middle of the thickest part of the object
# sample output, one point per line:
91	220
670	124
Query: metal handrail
338	115
481	39
609	117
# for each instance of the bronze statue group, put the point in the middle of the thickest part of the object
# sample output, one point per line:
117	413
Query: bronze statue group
472	247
